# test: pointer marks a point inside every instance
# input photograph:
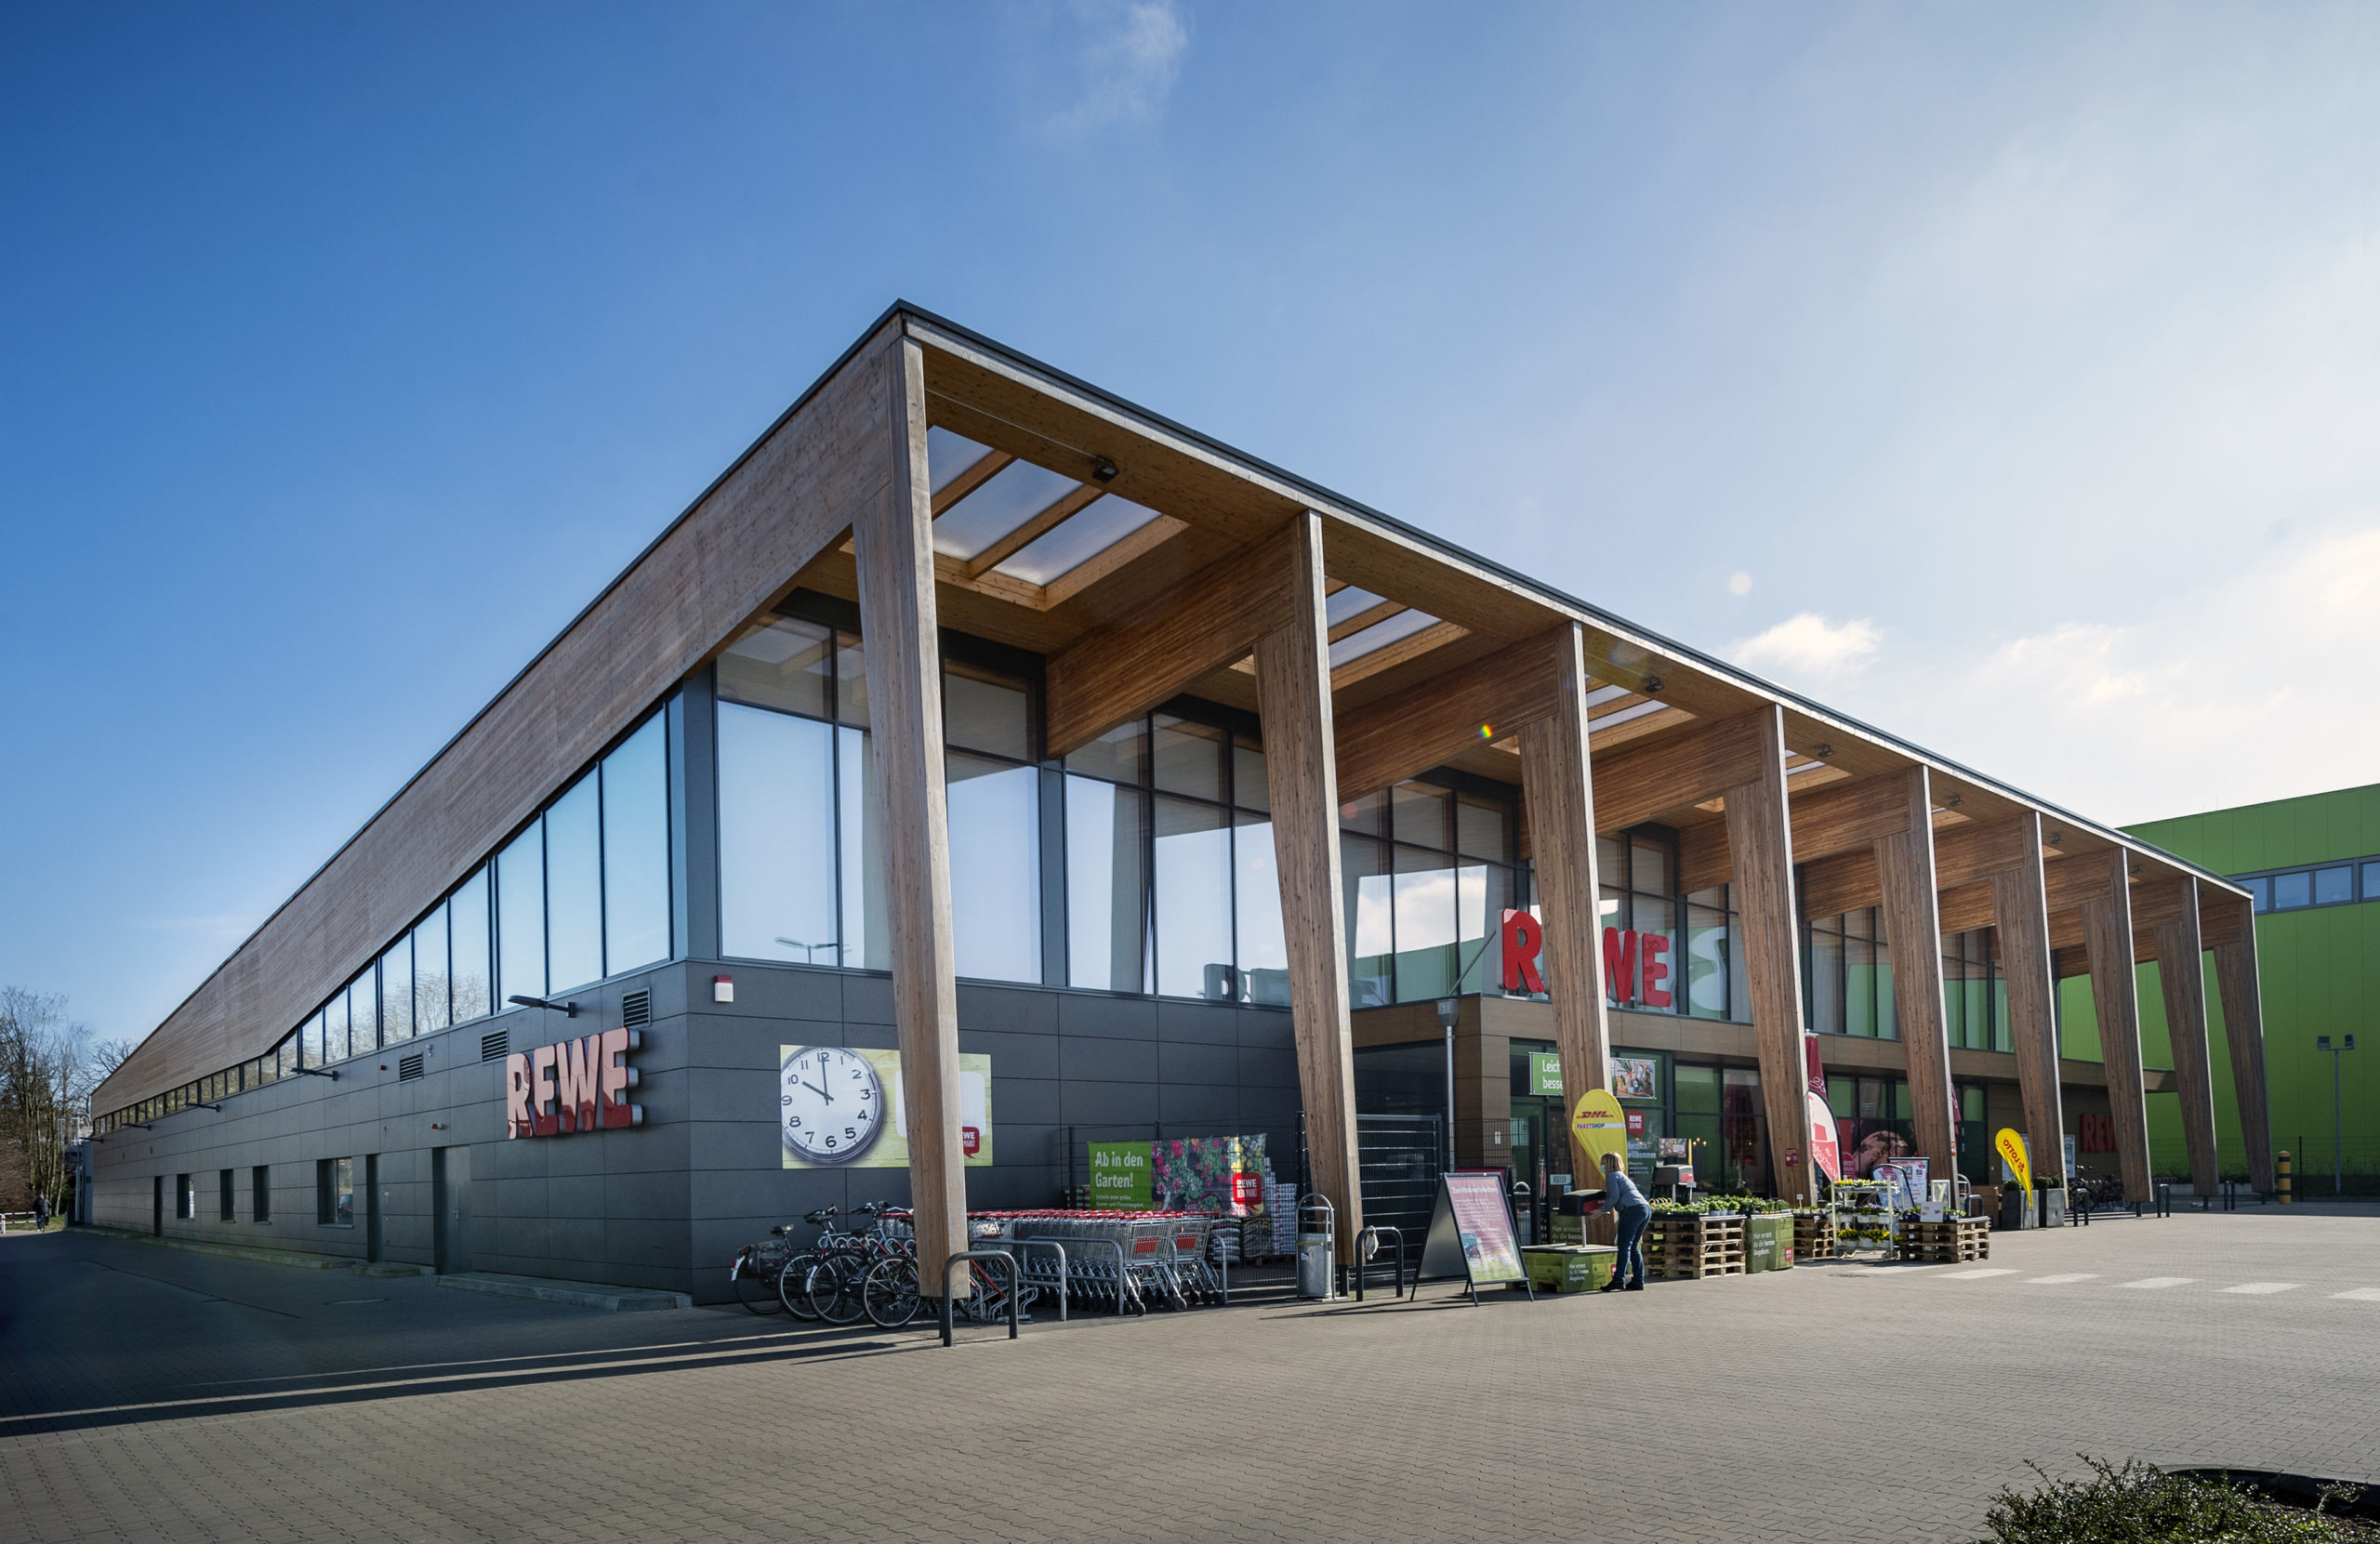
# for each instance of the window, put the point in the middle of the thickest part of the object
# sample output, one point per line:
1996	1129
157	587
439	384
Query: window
432	975
2260	888
185	1197
2333	886
472	981
1847	975
1428	876
521	914
574	887
801	835
636	850
2292	891
335	1193
396	997
260	1193
224	1185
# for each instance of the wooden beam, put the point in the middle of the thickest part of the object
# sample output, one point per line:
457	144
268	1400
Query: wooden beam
1293	692
1981	848
1430	722
1370	616
894	536
2106	922
1388	657
1702	860
2181	973
1844	882
1115	556
1963	909
1061	510
1845	817
2070	881
2244	1026
1114	672
966	482
1635	785
1559	782
1905	871
1751	748
2020	913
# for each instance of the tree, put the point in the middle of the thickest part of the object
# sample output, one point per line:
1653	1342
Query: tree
47	1070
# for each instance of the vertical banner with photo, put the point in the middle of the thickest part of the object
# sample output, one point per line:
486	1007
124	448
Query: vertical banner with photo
1218	1175
840	1107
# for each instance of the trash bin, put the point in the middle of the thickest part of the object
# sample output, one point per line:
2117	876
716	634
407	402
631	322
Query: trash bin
1317	1247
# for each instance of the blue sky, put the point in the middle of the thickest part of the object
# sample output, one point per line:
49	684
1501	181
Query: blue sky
2006	376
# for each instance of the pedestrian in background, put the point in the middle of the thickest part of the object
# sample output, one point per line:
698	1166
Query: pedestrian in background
1635	1214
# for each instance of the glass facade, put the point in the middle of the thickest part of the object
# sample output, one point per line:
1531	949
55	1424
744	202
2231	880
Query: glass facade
1428	870
1847	975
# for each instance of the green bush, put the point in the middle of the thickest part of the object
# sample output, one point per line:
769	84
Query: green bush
2139	1503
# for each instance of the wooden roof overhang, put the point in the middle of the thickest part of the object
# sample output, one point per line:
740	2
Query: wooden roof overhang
1426	639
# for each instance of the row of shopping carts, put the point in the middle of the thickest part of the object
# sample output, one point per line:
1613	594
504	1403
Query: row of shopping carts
1123	1261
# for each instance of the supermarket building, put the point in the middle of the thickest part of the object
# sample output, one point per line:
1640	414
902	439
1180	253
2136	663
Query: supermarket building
984	766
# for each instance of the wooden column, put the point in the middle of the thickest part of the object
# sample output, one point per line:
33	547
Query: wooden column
1559	786
2234	938
1759	844
1913	931
2020	912
2182	975
892	537
1301	774
2115	997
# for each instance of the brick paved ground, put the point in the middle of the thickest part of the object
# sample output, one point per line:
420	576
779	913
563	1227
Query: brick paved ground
146	1392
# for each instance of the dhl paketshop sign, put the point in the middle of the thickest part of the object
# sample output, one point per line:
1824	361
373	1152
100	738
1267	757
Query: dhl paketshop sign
573	1085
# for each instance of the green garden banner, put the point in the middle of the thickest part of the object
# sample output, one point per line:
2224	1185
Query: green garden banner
1120	1176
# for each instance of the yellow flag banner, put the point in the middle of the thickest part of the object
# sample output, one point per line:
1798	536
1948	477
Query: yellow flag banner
2011	1149
1601	1125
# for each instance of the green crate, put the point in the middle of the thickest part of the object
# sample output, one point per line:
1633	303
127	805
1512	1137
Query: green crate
1569	1267
1768	1242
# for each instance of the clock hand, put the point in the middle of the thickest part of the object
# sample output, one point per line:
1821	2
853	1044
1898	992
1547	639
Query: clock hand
820	1093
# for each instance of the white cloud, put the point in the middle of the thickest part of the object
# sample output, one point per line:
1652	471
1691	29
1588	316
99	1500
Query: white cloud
1127	64
1809	647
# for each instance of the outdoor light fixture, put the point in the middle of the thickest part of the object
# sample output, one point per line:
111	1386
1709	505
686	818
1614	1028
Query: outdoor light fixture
2338	1163
1103	470
202	1104
1652	685
317	1072
567	1009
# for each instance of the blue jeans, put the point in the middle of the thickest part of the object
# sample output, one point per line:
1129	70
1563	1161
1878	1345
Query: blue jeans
1629	1265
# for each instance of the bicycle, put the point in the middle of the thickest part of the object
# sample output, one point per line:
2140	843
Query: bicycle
756	1270
792	1278
831	1287
2084	1195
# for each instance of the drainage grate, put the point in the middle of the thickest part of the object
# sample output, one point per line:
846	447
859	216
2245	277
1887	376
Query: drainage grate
495	1044
636	1008
408	1067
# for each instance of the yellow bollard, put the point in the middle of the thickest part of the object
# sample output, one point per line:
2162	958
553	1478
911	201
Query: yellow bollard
2284	1177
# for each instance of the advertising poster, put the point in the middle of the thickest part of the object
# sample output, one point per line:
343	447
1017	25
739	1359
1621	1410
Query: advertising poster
1485	1226
839	1107
1218	1175
1907	1178
1824	1151
1120	1176
1636	1076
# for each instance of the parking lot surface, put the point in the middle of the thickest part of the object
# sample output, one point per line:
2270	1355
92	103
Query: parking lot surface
147	1393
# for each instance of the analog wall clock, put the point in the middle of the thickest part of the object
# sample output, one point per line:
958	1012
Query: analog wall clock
830	1104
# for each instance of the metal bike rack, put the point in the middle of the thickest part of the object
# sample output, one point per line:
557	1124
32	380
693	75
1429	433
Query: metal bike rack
988	1256
1063	1280
1363	1257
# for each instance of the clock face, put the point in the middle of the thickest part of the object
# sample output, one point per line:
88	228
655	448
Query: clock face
830	1105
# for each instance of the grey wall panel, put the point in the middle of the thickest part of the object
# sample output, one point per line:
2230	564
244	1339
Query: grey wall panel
1266	1068
1214	1023
1089	1013
1266	1028
1013	1010
1121	1104
1084	1058
1191	1062
1023	1101
1013	1055
1214	1111
868	999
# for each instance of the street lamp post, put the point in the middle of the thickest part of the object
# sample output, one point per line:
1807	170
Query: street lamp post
2338	1164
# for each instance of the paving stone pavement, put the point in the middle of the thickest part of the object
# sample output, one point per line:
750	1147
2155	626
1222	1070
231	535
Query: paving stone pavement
150	1393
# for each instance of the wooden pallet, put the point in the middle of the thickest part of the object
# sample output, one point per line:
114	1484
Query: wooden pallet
1951	1241
1813	1238
1689	1249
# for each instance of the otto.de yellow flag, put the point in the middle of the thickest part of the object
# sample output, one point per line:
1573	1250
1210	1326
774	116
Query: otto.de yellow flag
2011	1148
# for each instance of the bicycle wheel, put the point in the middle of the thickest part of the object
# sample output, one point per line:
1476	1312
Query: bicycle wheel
793	1285
835	1289
756	1286
889	1291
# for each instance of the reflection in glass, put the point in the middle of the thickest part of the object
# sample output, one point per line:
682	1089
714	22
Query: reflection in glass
468	911
1256	890
985	712
1425	924
636	850
1420	813
1366	813
363	1013
2290	890
311	1037
1706	954
1370	901
995	869
1115	755
1825	986
1193	874
396	995
574	887
780	664
432	979
2334	885
1483	893
1479	830
850	679
1187	758
1106	928
776	838
867	923
1247	786
521	916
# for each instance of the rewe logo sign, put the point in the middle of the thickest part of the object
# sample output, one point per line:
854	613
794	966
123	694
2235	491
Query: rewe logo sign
573	1085
1633	964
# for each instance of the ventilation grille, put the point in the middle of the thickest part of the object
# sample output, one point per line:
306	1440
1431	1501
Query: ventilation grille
636	1008
408	1067
497	1045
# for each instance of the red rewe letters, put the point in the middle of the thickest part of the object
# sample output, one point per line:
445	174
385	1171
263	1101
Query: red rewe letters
573	1085
1651	948
1524	936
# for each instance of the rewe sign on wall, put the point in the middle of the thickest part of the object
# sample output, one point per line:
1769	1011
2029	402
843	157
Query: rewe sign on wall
1634	967
573	1085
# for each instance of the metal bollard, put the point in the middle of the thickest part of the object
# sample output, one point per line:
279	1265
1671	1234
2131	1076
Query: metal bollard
2284	1177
